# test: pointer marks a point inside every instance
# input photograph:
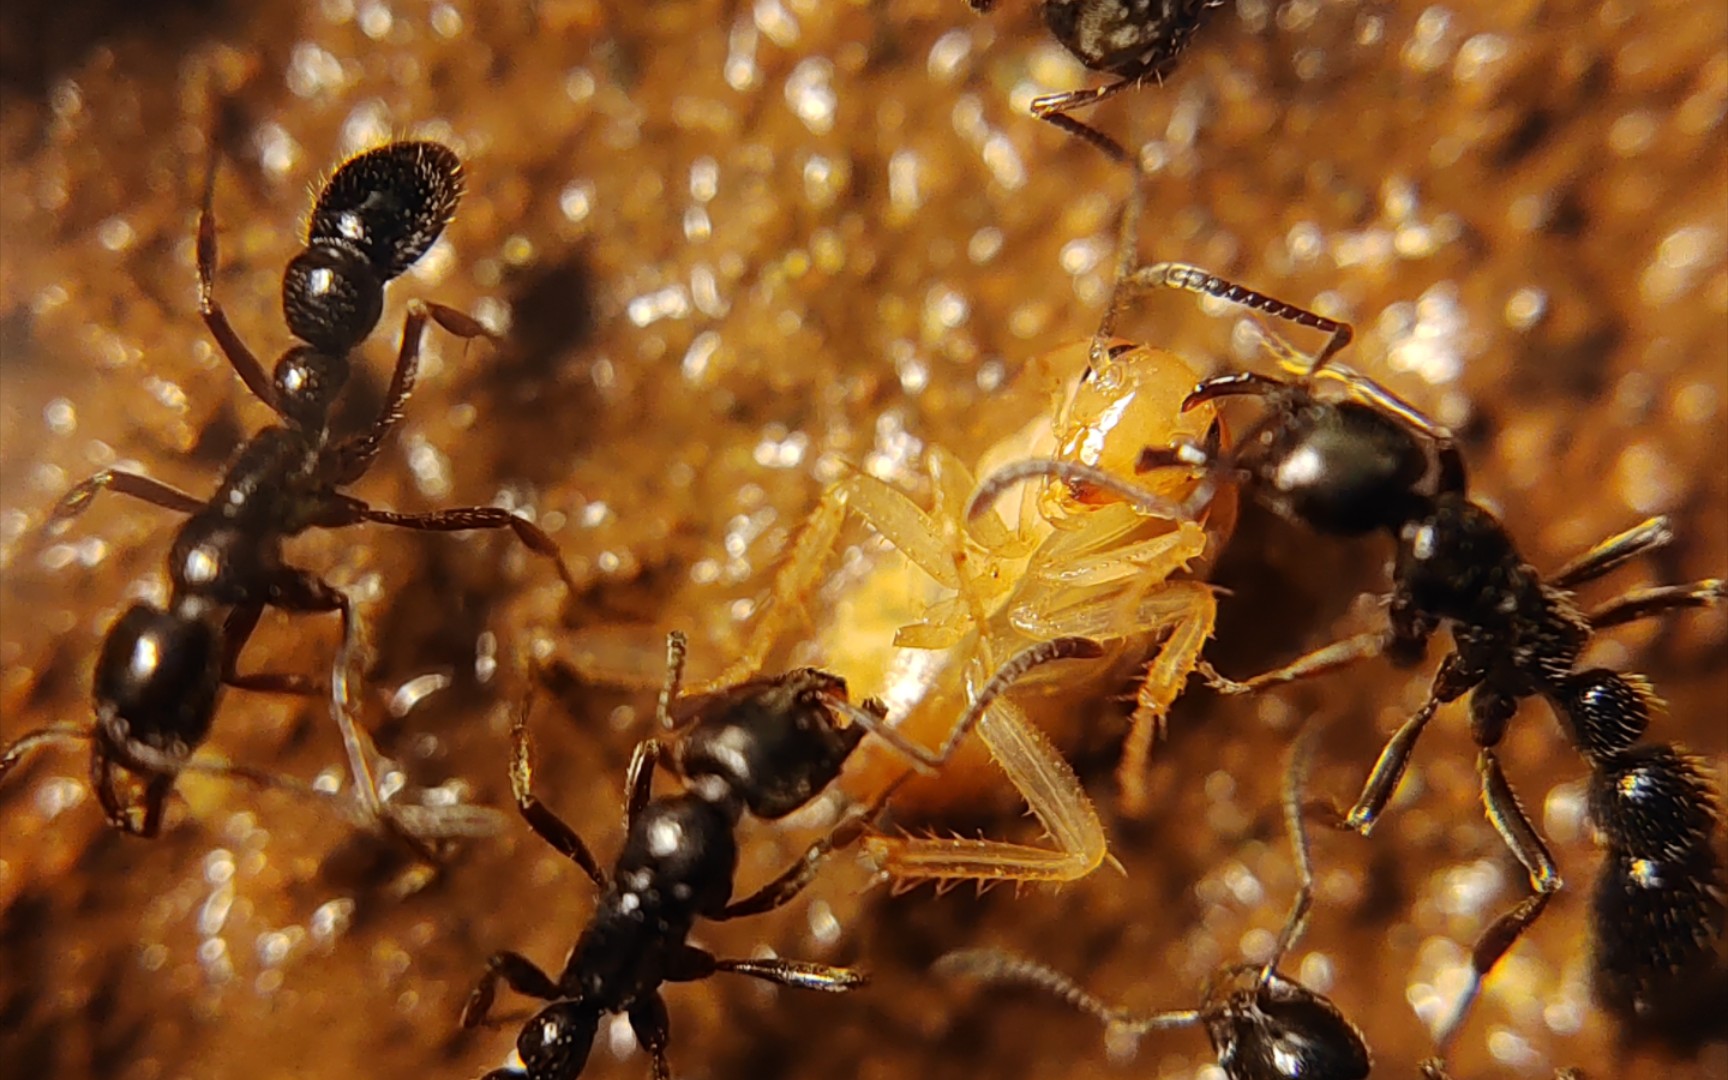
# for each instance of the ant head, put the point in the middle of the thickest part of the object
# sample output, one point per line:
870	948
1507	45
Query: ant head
1131	401
555	1041
1345	468
775	742
1263	1024
155	688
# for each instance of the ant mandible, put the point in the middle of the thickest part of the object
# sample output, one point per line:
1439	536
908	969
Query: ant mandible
161	669
1263	1025
1374	463
768	746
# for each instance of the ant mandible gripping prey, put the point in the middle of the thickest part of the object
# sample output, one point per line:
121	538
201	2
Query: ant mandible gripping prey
161	670
1373	463
768	746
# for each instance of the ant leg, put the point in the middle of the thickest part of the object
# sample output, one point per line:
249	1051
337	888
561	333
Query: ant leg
691	964
155	492
519	972
1449	684
1230	384
996	966
639	779
1172	275
799	974
1647	535
465	518
1295	782
42	736
353	457
653	1028
245	364
547	825
295	590
1520	835
797	877
1327	658
235	633
1648	602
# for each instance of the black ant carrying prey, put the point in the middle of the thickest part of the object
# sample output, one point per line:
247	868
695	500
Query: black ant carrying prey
161	669
1263	1025
1373	463
769	746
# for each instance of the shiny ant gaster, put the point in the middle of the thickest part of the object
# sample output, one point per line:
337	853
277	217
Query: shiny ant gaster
1374	463
161	670
768	746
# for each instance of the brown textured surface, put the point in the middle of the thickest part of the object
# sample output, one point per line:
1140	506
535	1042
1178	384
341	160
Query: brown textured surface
1419	168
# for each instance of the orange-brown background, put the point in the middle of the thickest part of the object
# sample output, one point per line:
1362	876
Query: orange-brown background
881	263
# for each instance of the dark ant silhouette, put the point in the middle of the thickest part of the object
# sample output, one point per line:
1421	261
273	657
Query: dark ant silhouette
161	670
768	746
1263	1025
1134	40
1374	463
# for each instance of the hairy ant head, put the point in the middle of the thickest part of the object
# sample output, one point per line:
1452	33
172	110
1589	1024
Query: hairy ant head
555	1042
774	741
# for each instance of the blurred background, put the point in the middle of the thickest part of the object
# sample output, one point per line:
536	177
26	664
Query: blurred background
735	247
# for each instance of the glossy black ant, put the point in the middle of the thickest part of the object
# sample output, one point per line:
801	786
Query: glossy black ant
1263	1025
161	670
1134	40
1373	463
769	746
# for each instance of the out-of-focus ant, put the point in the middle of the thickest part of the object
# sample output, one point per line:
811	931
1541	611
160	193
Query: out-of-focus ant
162	669
1263	1024
1373	463
767	746
1133	40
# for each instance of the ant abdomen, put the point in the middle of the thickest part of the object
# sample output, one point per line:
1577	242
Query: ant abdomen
1659	901
157	678
378	214
389	204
